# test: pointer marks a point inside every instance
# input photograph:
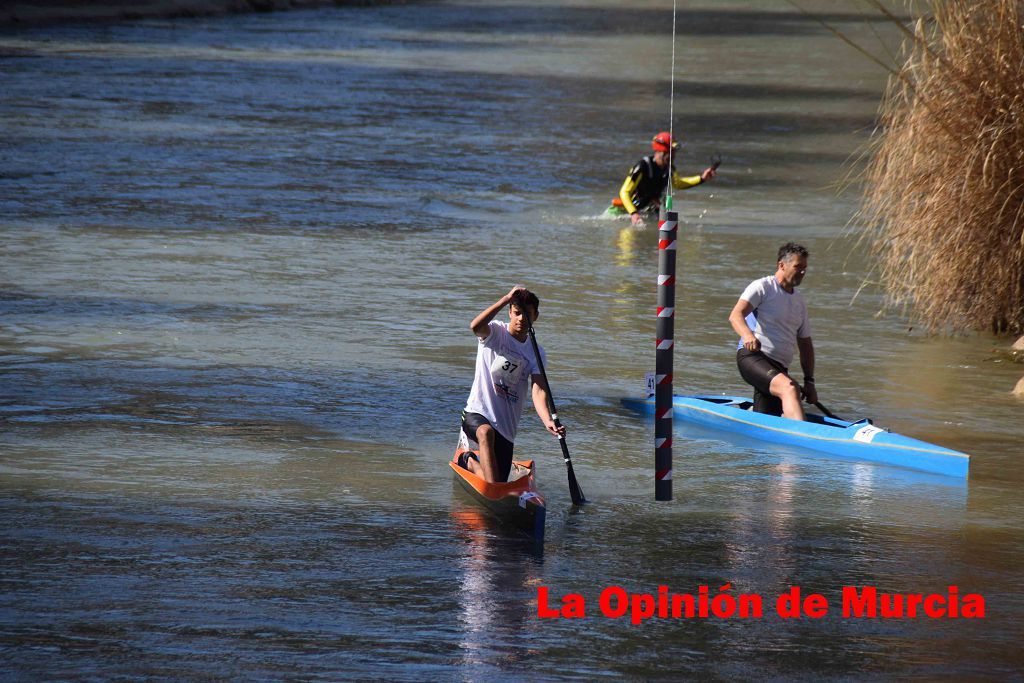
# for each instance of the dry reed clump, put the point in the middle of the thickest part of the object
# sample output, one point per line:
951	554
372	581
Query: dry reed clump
944	198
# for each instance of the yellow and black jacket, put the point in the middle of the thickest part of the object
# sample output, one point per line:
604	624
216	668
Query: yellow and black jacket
643	187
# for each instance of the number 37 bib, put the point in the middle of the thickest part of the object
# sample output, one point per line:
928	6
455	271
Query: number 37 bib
506	373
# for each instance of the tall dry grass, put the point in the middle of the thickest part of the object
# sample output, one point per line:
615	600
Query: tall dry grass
944	198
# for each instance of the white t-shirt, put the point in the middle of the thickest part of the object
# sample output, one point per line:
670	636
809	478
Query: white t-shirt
781	318
501	382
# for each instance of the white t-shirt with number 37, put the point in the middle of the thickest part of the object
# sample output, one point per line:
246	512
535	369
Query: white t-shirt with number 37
502	379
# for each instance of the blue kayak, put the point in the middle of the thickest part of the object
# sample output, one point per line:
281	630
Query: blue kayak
861	440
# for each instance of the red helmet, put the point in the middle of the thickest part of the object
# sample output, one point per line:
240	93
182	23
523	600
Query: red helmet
664	141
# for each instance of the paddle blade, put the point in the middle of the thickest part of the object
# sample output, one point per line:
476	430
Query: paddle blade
575	492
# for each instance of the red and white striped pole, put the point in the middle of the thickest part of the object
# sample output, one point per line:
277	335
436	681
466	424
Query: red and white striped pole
668	222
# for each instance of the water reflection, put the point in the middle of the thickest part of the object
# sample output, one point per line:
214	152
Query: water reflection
763	534
500	571
627	242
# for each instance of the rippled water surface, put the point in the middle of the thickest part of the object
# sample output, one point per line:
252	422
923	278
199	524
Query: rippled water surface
240	259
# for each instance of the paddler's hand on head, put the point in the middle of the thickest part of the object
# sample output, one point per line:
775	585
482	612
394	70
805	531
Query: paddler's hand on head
708	174
555	431
636	219
751	343
512	293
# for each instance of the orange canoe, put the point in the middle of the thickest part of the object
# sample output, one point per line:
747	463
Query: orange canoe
516	502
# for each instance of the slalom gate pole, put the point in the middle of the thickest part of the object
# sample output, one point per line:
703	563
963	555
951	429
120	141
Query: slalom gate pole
668	222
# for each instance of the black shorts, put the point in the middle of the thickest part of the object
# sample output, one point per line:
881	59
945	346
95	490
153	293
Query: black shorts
758	370
502	446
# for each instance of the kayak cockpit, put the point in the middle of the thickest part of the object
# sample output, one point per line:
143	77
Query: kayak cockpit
748	405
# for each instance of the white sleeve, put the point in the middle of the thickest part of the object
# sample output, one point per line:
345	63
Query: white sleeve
494	329
753	294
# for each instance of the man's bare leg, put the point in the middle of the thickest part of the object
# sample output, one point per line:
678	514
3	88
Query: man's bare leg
787	390
488	465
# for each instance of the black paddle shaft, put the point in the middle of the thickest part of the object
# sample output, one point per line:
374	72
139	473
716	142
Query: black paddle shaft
828	413
575	492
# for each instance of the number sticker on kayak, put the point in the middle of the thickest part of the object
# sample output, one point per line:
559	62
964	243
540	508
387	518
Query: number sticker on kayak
529	495
867	433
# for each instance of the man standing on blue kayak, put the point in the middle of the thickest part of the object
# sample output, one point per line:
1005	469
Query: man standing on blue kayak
505	362
771	320
640	194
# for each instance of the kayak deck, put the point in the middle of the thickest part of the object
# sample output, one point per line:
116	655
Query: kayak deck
516	502
860	440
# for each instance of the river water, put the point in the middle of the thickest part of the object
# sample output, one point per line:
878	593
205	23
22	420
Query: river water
240	259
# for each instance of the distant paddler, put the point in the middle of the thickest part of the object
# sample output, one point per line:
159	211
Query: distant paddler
505	364
641	191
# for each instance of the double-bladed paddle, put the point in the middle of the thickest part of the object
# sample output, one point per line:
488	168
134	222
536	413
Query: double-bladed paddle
575	492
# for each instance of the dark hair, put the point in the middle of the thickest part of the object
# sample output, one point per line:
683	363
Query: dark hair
787	250
526	299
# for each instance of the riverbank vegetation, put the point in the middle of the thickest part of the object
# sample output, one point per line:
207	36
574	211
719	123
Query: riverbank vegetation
944	192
